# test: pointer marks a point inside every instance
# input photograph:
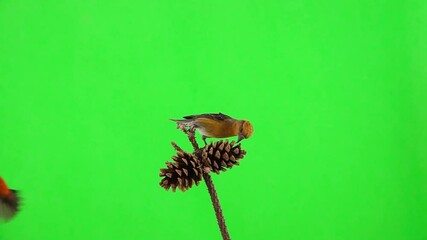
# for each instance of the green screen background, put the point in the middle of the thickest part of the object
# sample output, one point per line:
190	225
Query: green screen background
336	91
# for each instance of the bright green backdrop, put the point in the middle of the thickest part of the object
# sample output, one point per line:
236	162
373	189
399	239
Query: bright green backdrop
336	91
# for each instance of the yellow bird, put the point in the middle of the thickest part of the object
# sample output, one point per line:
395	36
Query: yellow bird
217	126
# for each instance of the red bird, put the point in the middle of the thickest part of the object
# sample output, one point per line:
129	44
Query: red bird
9	201
217	125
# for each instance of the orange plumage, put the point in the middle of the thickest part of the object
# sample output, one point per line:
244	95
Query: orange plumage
4	190
217	126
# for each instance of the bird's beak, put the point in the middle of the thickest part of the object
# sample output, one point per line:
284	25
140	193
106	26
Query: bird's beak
240	138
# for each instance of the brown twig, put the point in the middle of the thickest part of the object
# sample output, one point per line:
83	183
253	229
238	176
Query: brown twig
218	211
211	188
191	136
177	148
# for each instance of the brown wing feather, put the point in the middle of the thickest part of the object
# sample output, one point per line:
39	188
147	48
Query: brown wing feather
9	206
216	116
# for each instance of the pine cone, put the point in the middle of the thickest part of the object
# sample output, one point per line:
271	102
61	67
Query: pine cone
221	155
182	173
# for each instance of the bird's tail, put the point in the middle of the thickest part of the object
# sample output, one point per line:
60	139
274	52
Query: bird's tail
184	122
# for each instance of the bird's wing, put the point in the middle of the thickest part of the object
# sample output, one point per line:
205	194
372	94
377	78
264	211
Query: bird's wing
215	116
9	206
